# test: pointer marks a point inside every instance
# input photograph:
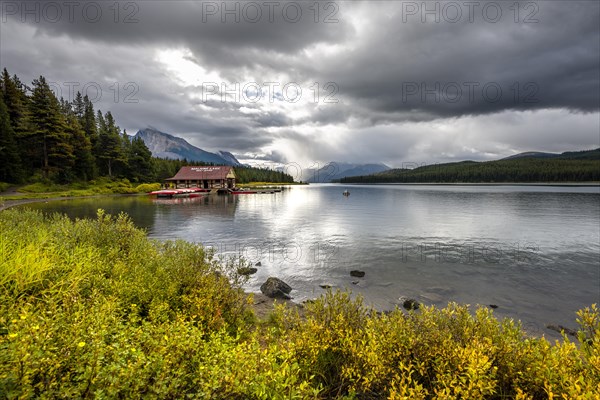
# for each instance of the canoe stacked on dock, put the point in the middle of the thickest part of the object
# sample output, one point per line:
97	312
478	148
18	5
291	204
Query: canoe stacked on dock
254	191
170	193
197	192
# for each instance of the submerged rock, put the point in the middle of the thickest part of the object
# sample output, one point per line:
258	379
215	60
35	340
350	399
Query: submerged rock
275	288
325	286
494	306
410	304
247	270
560	328
356	273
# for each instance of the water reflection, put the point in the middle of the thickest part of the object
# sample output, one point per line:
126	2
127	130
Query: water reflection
534	251
139	208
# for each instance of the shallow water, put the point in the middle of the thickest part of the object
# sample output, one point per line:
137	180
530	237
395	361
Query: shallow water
532	250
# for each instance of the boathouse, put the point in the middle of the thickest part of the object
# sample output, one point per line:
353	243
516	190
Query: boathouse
207	177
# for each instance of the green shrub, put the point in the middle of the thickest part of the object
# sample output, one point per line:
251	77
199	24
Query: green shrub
449	353
41	187
147	187
93	308
4	186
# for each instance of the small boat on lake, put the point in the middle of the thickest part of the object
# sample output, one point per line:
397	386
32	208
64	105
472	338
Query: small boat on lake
346	193
171	193
242	191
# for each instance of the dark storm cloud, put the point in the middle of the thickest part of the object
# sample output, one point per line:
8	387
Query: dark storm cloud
223	34
401	68
414	57
452	69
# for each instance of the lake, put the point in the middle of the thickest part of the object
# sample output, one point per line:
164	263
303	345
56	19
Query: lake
534	251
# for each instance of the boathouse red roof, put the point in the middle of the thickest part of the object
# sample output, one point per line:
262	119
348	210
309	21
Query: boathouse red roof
201	173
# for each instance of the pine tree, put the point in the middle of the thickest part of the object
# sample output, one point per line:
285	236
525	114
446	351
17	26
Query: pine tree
110	149
79	107
139	160
17	104
84	165
10	162
16	101
49	130
89	122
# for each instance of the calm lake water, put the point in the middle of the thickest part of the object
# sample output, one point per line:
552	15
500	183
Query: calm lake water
533	251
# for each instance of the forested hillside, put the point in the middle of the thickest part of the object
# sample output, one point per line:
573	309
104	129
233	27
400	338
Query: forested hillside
43	138
568	167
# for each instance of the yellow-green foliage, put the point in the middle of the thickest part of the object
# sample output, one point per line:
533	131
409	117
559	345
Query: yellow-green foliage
93	308
41	190
446	354
147	187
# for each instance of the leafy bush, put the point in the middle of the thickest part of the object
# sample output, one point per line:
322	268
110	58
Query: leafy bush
147	187
355	353
93	308
4	186
41	187
78	189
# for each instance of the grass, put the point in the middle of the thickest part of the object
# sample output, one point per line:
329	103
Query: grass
41	190
95	309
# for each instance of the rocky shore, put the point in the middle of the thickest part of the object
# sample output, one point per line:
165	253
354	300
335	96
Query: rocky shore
275	291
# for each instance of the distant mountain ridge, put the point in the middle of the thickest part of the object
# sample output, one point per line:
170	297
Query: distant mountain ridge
337	170
571	155
531	154
529	167
164	145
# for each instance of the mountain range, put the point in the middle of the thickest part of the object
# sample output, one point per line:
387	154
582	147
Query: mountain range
164	145
338	170
528	167
571	155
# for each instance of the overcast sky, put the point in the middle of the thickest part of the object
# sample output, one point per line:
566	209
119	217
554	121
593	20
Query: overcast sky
310	82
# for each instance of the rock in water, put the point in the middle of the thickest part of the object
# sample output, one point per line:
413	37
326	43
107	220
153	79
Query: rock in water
247	270
561	328
357	273
411	304
494	306
258	264
275	288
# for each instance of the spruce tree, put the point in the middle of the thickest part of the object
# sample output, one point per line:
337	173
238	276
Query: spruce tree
84	165
89	121
17	104
110	149
79	107
49	130
139	160
10	162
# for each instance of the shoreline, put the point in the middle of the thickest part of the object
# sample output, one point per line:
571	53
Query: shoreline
540	184
6	204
